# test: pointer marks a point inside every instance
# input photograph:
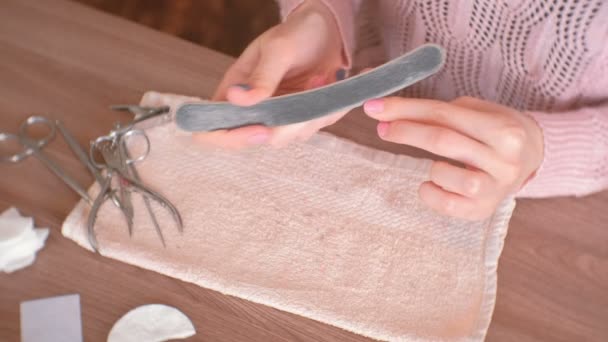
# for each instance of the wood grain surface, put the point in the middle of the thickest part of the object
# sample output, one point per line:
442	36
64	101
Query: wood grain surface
222	25
71	62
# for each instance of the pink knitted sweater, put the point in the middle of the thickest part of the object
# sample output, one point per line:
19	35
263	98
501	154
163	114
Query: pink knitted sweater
548	58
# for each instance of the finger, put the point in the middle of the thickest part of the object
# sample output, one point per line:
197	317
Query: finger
509	135
152	99
479	105
365	70
443	142
332	118
451	204
324	78
317	81
234	139
479	125
468	183
239	71
317	125
274	62
283	135
156	99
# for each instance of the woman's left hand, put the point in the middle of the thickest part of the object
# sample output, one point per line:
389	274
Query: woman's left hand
500	148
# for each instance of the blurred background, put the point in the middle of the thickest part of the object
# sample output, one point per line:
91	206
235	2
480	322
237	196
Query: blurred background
223	25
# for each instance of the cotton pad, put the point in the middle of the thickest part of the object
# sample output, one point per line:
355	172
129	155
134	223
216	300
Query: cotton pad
152	323
19	240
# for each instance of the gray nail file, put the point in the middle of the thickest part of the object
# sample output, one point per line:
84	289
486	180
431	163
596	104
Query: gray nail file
307	105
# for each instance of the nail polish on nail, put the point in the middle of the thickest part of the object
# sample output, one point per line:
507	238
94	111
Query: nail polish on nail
258	139
340	74
243	86
373	106
383	129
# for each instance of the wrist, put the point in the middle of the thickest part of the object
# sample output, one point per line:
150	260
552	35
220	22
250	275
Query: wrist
538	141
535	146
316	6
320	9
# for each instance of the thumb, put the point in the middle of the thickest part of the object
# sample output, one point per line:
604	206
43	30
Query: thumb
364	71
263	80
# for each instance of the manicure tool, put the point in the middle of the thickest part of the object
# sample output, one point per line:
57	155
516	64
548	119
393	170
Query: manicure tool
308	105
117	164
82	156
135	174
303	106
33	147
141	114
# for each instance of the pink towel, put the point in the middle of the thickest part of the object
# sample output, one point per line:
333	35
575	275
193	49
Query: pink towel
326	229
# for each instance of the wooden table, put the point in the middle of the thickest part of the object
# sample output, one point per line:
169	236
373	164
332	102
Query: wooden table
68	61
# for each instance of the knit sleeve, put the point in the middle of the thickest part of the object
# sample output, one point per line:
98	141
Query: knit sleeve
344	14
575	141
575	153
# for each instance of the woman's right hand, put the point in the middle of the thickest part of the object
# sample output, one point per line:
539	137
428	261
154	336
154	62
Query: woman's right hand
303	52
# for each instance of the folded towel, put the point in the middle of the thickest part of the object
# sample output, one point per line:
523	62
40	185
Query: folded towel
326	229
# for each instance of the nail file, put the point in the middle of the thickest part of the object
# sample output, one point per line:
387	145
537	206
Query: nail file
388	78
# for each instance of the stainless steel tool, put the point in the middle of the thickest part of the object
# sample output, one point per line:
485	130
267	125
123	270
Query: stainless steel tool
117	163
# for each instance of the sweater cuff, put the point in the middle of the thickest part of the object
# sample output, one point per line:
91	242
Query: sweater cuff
344	15
575	154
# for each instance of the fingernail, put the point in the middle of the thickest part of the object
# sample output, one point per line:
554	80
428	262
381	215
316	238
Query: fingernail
340	74
243	86
374	106
258	139
383	129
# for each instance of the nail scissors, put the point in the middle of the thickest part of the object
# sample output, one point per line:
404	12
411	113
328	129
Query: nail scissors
117	163
32	146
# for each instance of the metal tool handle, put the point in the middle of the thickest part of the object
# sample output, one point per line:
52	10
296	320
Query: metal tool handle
78	151
59	172
96	147
144	117
5	139
125	140
26	140
37	120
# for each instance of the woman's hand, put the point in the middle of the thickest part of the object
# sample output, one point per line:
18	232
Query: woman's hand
303	52
500	148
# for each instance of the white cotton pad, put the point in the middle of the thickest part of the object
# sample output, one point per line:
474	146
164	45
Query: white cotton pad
13	225
10	212
17	264
19	241
22	252
152	323
26	244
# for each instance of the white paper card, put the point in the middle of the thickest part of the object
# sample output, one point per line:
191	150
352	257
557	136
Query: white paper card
55	319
